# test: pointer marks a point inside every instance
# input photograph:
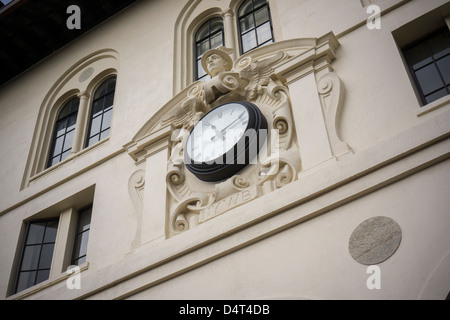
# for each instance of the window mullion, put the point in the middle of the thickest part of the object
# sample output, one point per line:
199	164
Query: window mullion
228	31
80	128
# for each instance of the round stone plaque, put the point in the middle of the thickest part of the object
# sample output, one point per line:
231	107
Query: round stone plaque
86	74
375	240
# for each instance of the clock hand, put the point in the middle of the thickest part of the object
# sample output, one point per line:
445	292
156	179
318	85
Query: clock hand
217	132
239	118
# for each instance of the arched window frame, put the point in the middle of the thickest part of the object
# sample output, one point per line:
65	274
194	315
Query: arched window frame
192	16
212	33
80	80
62	142
104	131
256	26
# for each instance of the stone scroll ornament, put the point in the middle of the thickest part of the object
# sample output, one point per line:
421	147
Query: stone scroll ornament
191	201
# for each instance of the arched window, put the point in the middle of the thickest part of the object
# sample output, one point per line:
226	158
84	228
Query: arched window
101	111
255	25
63	132
209	36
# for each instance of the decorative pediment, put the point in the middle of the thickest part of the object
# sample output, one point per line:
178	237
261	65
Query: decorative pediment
261	77
280	61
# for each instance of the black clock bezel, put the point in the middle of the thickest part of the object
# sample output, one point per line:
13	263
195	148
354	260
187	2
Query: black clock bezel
218	169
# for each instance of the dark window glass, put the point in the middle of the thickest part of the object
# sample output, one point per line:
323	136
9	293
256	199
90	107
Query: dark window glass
37	254
102	105
82	236
429	63
209	36
63	132
255	25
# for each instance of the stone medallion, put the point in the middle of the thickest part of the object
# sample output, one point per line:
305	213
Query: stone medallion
375	240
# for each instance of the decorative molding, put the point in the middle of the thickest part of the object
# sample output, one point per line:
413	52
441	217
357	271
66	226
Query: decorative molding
331	91
262	77
103	62
136	185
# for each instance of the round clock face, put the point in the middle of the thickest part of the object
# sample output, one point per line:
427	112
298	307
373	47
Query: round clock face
217	133
218	146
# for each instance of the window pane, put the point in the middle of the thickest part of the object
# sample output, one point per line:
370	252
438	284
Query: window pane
258	3
111	84
264	33
104	134
203	32
444	68
97	107
69	140
42	275
71	122
440	45
429	79
79	261
215	25
246	8
109	100
216	41
95	125
93	140
435	96
31	257
50	231
85	220
249	41
75	103
45	260
55	160
35	233
261	16
419	56
81	244
101	91
26	280
58	146
247	23
200	71
64	111
61	127
202	47
65	154
107	119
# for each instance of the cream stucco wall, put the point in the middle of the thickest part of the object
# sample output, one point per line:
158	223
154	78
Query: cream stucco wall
398	167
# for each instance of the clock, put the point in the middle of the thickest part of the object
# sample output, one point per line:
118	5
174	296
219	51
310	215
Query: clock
225	141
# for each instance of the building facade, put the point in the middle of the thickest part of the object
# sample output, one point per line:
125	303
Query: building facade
346	199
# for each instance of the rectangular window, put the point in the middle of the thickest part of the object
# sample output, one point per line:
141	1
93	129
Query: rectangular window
37	254
429	64
82	237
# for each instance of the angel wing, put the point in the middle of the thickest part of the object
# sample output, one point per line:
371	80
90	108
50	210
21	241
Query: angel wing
185	113
258	73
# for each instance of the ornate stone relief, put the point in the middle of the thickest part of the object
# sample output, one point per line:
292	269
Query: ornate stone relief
260	77
136	185
331	91
193	202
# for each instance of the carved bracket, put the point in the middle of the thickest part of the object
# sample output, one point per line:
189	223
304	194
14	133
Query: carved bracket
331	91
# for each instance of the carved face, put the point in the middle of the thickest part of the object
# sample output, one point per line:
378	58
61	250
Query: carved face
216	64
